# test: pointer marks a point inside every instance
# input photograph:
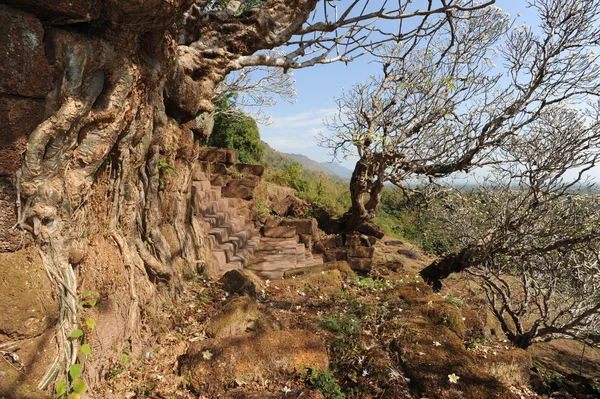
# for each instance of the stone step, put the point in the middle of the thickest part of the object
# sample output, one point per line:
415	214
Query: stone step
223	261
220	218
229	229
212	207
300	255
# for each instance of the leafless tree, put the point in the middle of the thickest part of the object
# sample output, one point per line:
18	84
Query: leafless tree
445	103
530	232
130	79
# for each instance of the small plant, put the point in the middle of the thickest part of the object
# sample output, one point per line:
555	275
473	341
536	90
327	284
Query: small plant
89	298
263	210
325	382
162	168
455	301
369	283
345	326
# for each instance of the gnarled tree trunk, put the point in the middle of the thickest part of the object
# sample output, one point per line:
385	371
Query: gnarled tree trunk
122	83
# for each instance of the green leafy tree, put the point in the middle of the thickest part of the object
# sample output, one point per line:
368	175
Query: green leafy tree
239	131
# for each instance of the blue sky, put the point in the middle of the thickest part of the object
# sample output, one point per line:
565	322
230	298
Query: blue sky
294	126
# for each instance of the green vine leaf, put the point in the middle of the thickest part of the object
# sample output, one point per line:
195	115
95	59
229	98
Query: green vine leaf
86	350
76	334
79	386
60	389
91	323
75	371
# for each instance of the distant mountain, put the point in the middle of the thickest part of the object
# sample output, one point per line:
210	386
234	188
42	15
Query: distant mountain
309	164
338	169
279	161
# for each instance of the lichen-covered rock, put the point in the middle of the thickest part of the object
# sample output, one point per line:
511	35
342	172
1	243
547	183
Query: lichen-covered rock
341	266
242	282
250	357
325	282
234	318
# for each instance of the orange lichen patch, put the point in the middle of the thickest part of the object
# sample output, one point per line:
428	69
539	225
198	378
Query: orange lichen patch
414	292
252	357
510	367
302	288
431	353
446	314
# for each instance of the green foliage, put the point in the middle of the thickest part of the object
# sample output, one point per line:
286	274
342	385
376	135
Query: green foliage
455	301
86	350
325	382
76	334
410	219
79	386
238	131
343	326
321	191
89	298
60	389
75	371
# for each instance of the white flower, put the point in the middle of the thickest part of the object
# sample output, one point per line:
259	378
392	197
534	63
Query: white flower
365	373
285	390
436	343
206	355
453	378
267	282
298	307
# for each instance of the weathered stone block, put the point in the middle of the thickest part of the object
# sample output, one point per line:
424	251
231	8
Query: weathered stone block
332	241
251	182
279	232
332	255
218	155
18	118
341	266
303	226
220	180
361	252
238	192
250	169
24	69
307	240
371	229
361	264
358	240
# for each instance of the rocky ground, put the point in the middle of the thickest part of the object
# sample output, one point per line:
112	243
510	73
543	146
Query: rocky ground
325	332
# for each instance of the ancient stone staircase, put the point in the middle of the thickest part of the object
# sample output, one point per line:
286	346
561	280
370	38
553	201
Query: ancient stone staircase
223	196
280	250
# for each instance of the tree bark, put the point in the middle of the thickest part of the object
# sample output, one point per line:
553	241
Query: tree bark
128	75
451	263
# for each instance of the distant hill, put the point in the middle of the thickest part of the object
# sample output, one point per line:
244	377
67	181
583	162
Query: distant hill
309	164
338	169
